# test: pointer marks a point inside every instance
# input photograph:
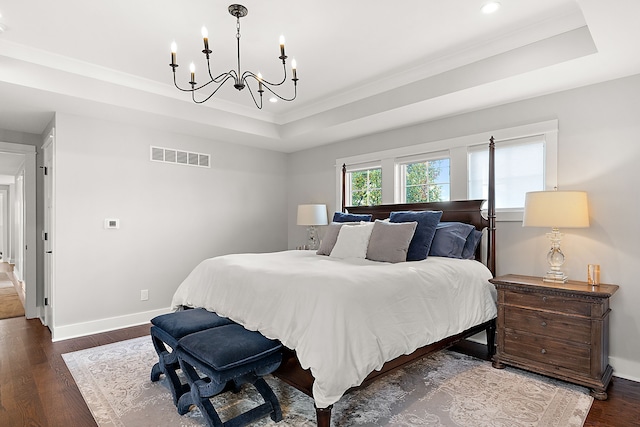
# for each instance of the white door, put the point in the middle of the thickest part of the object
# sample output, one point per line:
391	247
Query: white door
48	227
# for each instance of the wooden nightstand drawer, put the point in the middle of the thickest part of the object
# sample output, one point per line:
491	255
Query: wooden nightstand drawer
559	326
548	351
538	301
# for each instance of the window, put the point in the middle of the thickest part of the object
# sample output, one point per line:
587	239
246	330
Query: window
520	167
425	181
364	187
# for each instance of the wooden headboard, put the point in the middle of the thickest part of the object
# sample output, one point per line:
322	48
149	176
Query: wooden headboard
467	211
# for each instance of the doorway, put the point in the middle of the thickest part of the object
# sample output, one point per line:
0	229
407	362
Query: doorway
18	162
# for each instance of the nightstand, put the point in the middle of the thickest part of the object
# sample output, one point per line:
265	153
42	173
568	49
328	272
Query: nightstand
556	329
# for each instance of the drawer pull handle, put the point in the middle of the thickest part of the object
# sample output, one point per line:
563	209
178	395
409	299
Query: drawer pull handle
543	351
544	299
544	324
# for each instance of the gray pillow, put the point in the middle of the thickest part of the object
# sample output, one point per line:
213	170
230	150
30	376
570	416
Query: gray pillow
331	237
390	241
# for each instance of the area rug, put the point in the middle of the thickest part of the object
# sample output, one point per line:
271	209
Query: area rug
446	389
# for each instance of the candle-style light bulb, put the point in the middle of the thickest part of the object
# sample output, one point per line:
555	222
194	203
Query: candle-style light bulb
260	83
192	68
205	37
174	48
282	46
294	66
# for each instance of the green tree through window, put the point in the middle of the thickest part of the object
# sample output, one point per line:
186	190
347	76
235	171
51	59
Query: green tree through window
366	187
427	181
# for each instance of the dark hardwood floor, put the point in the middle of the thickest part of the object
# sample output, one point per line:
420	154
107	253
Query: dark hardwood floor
36	388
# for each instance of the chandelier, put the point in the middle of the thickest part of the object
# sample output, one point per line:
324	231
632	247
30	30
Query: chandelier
240	79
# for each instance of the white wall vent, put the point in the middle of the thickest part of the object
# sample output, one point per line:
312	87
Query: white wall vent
171	155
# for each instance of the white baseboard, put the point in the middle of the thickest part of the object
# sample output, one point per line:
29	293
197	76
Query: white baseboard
624	368
59	333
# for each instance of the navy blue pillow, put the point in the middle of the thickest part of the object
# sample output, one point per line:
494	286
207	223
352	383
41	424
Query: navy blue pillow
473	240
423	236
347	217
450	239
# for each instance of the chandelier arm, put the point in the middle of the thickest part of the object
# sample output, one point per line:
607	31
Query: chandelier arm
199	87
175	83
229	75
193	92
248	73
295	93
218	78
254	98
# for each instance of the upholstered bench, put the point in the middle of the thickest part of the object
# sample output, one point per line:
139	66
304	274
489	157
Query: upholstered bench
167	330
224	354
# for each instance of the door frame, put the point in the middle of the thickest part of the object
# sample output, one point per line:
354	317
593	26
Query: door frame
48	252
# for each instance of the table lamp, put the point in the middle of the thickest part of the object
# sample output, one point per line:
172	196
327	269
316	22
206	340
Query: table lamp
312	215
556	209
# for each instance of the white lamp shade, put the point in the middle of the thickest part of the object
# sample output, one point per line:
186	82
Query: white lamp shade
556	209
312	215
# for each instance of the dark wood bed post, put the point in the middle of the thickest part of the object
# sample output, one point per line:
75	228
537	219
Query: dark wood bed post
344	187
491	241
491	209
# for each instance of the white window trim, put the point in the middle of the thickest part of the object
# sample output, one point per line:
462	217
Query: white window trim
457	151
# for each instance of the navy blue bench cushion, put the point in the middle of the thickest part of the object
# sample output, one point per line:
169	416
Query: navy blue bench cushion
182	323
228	346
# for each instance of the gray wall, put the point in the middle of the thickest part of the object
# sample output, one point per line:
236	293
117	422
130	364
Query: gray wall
599	152
171	217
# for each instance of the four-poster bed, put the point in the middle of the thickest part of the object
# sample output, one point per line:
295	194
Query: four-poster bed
221	299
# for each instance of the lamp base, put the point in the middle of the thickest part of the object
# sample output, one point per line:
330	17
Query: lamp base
555	258
552	277
312	238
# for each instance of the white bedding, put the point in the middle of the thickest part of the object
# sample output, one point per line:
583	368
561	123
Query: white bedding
344	318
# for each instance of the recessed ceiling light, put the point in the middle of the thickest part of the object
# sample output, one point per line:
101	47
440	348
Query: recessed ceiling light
490	7
273	99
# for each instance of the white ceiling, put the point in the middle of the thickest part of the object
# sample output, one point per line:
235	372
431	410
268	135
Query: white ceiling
364	65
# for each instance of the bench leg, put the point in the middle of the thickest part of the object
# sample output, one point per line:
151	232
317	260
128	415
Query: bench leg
269	397
167	365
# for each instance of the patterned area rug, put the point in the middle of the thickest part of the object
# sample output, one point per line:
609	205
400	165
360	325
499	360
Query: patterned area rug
446	389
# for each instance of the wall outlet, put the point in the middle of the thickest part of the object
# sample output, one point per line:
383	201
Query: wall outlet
144	295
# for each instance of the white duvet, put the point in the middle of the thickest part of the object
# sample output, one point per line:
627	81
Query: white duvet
344	317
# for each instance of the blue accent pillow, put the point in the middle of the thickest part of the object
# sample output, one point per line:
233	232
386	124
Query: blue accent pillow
347	217
450	239
423	236
473	240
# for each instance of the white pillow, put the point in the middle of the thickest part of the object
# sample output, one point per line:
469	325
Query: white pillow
353	241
